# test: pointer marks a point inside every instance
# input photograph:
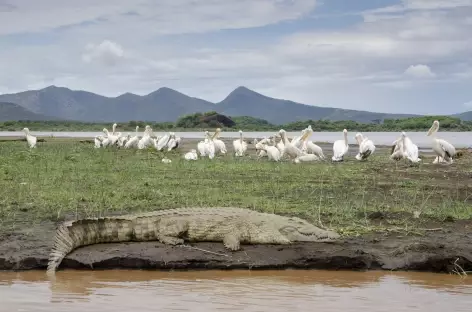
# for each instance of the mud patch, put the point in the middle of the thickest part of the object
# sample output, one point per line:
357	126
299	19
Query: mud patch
434	251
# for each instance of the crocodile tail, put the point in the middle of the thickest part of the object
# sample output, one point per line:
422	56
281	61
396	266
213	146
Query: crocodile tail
74	234
63	244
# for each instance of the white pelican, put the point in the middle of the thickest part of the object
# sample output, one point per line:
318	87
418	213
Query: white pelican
410	149
133	142
310	147
174	142
442	148
405	148
98	141
146	139
192	155
122	139
162	142
340	148
313	148
239	145
114	136
201	146
297	141
280	145
220	146
209	146
261	152
366	146
306	158
273	152
290	149
29	138
106	141
397	149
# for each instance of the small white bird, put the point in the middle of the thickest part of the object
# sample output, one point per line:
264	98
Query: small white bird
166	160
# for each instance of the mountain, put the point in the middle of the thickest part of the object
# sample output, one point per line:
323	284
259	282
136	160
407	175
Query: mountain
466	116
167	104
243	101
162	105
11	111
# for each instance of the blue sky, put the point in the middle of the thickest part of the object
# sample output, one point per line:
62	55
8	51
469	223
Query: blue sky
411	56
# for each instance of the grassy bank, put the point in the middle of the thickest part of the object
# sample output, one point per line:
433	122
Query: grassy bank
67	179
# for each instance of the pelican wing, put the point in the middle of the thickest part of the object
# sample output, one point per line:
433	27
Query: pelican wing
447	147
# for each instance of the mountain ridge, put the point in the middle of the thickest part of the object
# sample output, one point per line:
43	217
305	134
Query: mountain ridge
12	111
167	105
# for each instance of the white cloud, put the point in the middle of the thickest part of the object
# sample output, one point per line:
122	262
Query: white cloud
419	71
468	105
435	4
154	17
352	66
106	53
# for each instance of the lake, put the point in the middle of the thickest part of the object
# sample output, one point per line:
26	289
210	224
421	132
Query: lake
458	139
206	291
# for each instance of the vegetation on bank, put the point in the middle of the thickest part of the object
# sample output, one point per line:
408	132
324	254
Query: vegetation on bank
212	120
65	179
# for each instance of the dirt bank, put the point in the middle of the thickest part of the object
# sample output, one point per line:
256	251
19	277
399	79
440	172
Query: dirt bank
435	250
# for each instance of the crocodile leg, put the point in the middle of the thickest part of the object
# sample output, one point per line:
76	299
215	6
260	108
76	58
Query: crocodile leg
171	231
232	241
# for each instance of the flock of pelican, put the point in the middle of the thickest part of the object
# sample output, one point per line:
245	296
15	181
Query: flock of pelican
303	150
169	141
275	147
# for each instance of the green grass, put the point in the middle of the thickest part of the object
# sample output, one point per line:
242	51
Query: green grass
69	179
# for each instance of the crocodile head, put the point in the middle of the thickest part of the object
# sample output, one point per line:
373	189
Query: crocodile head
299	230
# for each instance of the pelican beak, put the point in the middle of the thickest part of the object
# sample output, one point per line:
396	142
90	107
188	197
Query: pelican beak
305	135
215	135
431	130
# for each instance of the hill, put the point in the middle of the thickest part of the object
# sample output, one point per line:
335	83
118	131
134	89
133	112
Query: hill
466	116
167	105
11	111
161	105
245	102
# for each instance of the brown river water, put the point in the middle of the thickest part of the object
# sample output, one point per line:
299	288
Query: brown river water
291	290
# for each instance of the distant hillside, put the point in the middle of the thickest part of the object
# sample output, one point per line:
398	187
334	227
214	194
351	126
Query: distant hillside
466	116
167	105
162	105
243	101
11	111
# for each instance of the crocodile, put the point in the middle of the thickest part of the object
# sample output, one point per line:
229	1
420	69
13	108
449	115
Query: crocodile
230	225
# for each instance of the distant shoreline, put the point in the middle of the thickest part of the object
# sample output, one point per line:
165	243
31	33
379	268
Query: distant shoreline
210	121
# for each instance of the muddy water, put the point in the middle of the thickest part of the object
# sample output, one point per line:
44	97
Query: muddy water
273	291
